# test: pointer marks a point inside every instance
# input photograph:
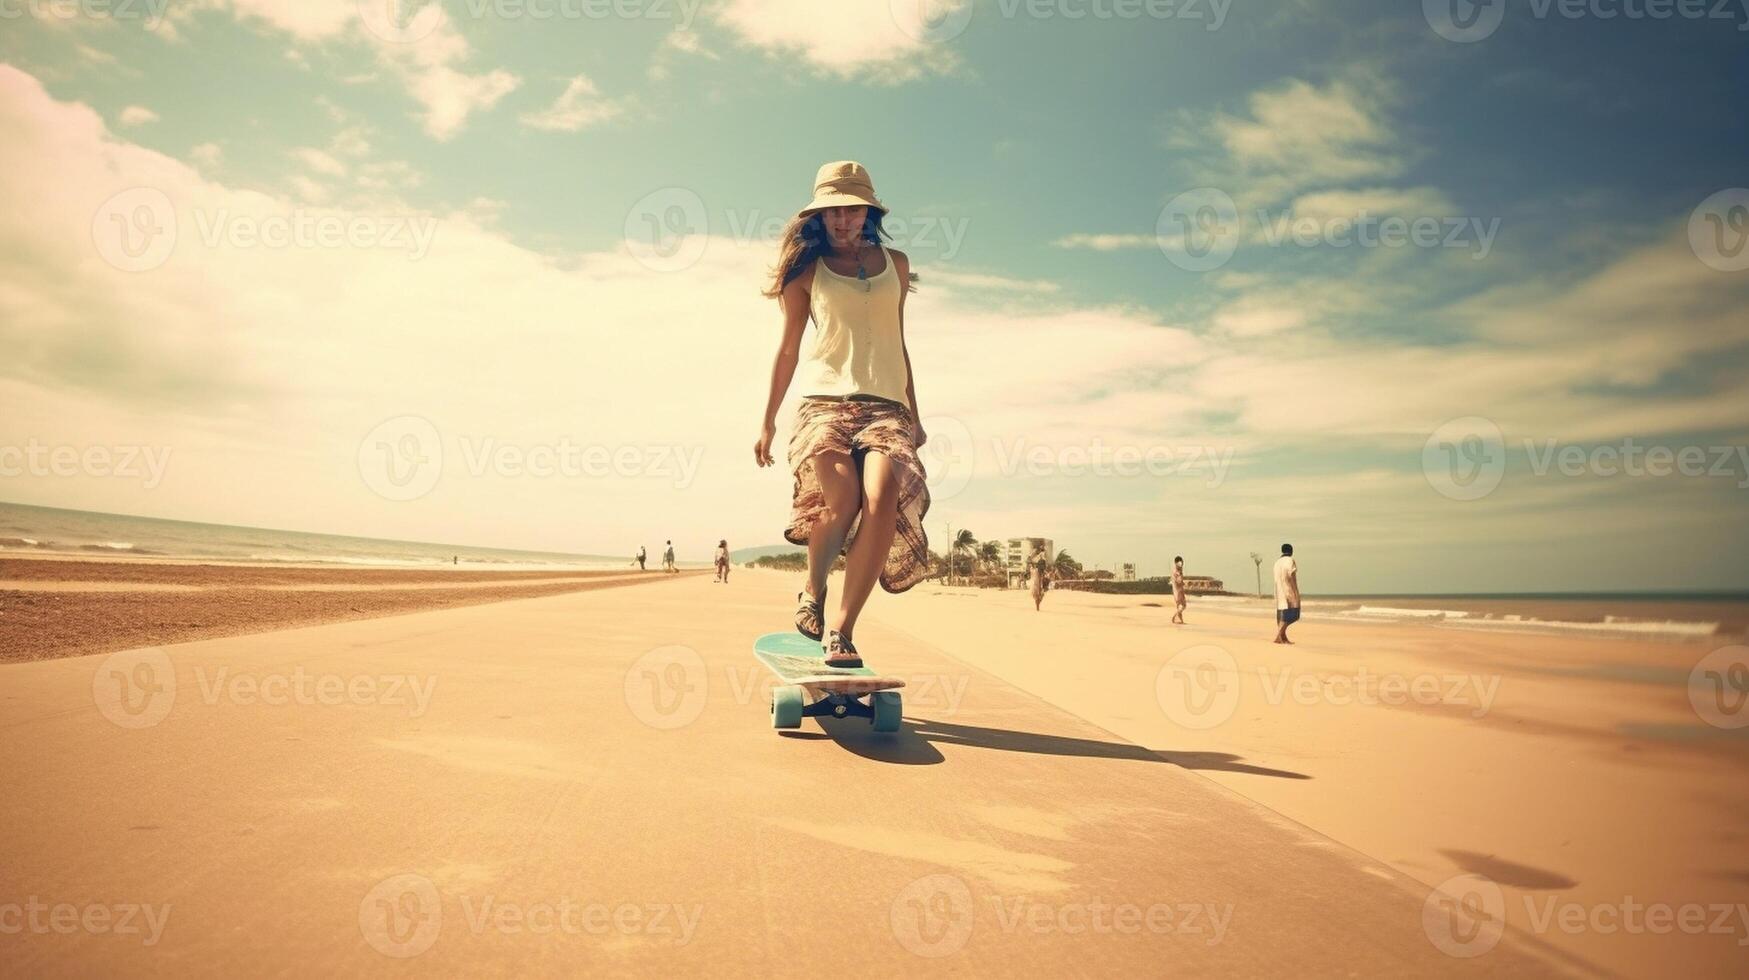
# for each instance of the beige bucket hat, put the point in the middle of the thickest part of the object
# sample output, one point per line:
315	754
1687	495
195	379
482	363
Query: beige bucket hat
842	183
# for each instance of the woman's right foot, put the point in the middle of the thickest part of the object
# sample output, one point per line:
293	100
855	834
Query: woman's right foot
811	615
840	652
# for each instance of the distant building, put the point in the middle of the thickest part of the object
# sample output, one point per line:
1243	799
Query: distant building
1127	572
1015	552
1202	584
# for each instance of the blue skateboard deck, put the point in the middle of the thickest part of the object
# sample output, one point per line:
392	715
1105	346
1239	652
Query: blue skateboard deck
812	689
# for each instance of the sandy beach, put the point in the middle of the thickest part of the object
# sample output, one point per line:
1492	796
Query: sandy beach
1573	773
589	781
67	607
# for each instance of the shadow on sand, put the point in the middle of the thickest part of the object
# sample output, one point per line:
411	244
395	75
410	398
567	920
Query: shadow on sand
915	745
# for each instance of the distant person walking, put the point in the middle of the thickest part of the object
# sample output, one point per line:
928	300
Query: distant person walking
723	561
640	558
1178	598
668	559
1287	593
1036	566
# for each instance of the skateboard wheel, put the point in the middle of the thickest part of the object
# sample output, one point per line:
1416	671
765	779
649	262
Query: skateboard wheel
786	707
888	710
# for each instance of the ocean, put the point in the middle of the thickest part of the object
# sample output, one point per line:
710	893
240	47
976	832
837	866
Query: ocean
1653	615
27	530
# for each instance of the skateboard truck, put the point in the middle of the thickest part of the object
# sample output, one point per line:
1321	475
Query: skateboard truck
838	706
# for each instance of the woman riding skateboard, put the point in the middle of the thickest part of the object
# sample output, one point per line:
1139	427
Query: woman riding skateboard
859	485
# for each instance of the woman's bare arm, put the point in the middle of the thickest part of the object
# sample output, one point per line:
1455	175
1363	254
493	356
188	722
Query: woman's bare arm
783	369
902	266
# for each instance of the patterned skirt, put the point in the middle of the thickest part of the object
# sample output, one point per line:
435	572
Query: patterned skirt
855	428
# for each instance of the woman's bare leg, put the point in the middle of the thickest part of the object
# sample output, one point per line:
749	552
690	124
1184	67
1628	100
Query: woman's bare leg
838	481
868	555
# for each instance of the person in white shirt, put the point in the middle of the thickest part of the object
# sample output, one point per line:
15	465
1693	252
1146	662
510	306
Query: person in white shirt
1178	589
722	561
1287	593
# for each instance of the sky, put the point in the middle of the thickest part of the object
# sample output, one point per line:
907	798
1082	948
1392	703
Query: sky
1451	295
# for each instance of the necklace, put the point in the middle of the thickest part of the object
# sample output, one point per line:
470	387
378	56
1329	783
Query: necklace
861	273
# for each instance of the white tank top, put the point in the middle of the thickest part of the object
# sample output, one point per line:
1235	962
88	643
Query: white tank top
857	347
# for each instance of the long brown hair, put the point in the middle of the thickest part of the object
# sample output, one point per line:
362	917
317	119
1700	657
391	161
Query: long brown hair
804	240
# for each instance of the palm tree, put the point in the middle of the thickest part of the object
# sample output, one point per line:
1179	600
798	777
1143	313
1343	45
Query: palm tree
990	555
1065	567
1257	559
961	542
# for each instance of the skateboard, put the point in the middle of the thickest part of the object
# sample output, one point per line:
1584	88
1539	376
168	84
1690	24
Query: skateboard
811	689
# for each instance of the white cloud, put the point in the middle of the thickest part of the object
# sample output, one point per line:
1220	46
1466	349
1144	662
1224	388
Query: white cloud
208	155
678	42
1106	242
136	115
975	280
1401	201
1255	319
1294	136
319	161
580	105
875	42
93	55
427	65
